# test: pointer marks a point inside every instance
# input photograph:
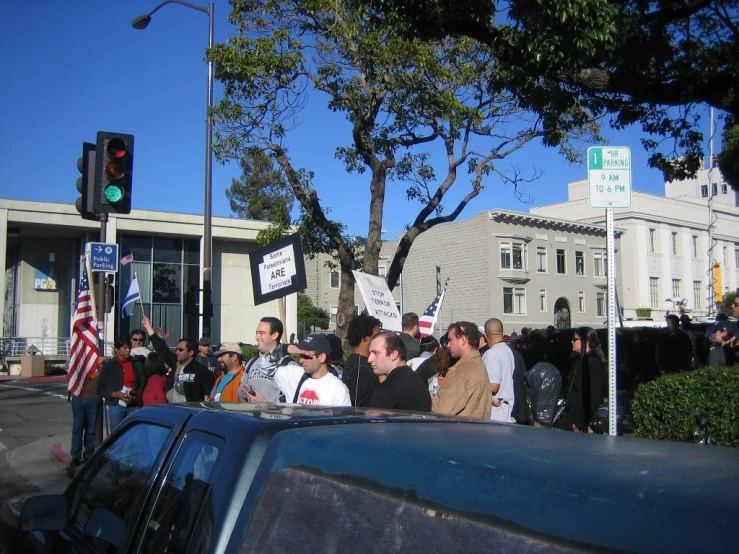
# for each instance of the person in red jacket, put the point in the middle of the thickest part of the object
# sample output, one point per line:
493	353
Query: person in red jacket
155	373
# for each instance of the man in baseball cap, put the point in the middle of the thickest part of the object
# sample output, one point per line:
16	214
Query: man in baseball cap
227	385
314	384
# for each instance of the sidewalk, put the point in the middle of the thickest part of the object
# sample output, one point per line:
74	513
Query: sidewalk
34	461
44	379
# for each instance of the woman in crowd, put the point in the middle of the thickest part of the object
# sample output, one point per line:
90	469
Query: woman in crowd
120	383
587	384
155	384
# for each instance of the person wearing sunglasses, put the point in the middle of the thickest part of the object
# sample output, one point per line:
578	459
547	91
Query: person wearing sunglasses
312	385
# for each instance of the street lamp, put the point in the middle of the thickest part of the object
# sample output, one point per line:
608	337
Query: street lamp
141	22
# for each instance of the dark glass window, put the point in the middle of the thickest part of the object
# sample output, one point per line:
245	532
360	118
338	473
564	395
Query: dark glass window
167	250
192	251
140	247
166	283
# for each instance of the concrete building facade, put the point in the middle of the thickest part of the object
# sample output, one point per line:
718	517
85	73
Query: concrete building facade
666	258
41	244
529	271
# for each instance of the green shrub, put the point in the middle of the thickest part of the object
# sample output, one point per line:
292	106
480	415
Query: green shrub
248	351
644	312
663	409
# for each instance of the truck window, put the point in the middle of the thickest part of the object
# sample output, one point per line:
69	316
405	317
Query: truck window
116	483
303	511
182	513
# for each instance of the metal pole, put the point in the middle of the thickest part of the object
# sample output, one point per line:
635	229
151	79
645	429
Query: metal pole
208	213
100	293
612	347
711	292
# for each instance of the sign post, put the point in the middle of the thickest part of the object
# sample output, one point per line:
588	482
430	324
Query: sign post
609	186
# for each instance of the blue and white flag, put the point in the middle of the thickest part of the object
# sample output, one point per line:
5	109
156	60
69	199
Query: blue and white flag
131	298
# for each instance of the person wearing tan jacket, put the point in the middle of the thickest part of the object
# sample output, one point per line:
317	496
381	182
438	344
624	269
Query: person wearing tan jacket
466	388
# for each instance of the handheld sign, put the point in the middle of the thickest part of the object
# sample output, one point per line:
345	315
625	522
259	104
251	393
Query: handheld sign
379	300
277	269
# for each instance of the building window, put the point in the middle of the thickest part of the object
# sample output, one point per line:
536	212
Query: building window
579	263
541	259
542	300
599	264
697	295
676	288
581	301
561	262
653	292
512	255
736	258
704	191
724	188
335	280
333	310
514	300
714	189
652	240
695	246
381	271
674	244
600	304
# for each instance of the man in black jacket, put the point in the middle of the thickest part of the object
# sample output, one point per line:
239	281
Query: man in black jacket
402	388
190	380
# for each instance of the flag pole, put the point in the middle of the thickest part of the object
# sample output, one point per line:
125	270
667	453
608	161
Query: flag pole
141	301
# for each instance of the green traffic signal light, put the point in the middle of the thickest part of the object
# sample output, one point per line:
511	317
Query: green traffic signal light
113	172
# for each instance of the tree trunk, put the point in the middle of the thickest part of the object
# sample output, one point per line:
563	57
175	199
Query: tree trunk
374	232
345	309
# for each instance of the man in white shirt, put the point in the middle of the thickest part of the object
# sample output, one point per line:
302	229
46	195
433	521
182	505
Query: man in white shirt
500	363
314	384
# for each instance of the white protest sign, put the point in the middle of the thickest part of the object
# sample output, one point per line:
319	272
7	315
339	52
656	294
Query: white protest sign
277	269
379	300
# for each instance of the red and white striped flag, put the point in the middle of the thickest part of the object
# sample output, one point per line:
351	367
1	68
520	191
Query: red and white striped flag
83	352
127	259
427	321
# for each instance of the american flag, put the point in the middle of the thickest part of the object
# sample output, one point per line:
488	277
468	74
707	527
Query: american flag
83	352
427	321
127	259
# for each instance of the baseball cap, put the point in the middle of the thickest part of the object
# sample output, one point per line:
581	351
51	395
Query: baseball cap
205	341
228	347
721	326
316	343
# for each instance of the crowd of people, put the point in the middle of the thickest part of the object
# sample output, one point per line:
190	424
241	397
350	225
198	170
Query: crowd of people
473	370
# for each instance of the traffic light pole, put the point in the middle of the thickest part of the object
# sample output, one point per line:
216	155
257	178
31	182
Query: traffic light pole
100	290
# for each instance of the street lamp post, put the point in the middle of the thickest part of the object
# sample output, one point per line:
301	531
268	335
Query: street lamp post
141	22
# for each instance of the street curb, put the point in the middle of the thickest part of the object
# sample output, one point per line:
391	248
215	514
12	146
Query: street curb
58	454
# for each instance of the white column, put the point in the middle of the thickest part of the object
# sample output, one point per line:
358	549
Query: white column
3	256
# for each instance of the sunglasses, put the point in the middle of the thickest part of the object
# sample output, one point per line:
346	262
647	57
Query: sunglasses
308	356
181	349
137	340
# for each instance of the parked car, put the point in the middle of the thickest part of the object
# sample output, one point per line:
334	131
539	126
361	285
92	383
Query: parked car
237	478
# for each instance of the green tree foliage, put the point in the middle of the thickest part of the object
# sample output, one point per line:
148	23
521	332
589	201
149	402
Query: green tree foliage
663	409
645	61
261	192
310	315
728	161
402	98
727	301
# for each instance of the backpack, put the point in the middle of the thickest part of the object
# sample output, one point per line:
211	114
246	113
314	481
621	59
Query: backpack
544	383
521	411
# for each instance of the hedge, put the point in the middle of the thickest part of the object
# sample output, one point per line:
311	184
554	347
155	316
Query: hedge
664	408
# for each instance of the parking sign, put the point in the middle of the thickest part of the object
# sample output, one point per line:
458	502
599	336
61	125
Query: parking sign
609	176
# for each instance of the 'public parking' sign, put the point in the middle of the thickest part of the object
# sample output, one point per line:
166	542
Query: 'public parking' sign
609	176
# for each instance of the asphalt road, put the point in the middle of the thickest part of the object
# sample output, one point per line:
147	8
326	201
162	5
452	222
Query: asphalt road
34	415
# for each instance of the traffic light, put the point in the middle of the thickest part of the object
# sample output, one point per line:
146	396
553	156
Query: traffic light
86	182
113	173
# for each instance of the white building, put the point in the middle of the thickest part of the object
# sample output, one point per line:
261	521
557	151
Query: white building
39	240
528	271
664	249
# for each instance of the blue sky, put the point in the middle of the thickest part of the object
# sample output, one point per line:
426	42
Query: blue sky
74	68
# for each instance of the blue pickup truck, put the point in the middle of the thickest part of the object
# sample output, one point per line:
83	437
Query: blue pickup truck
238	478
